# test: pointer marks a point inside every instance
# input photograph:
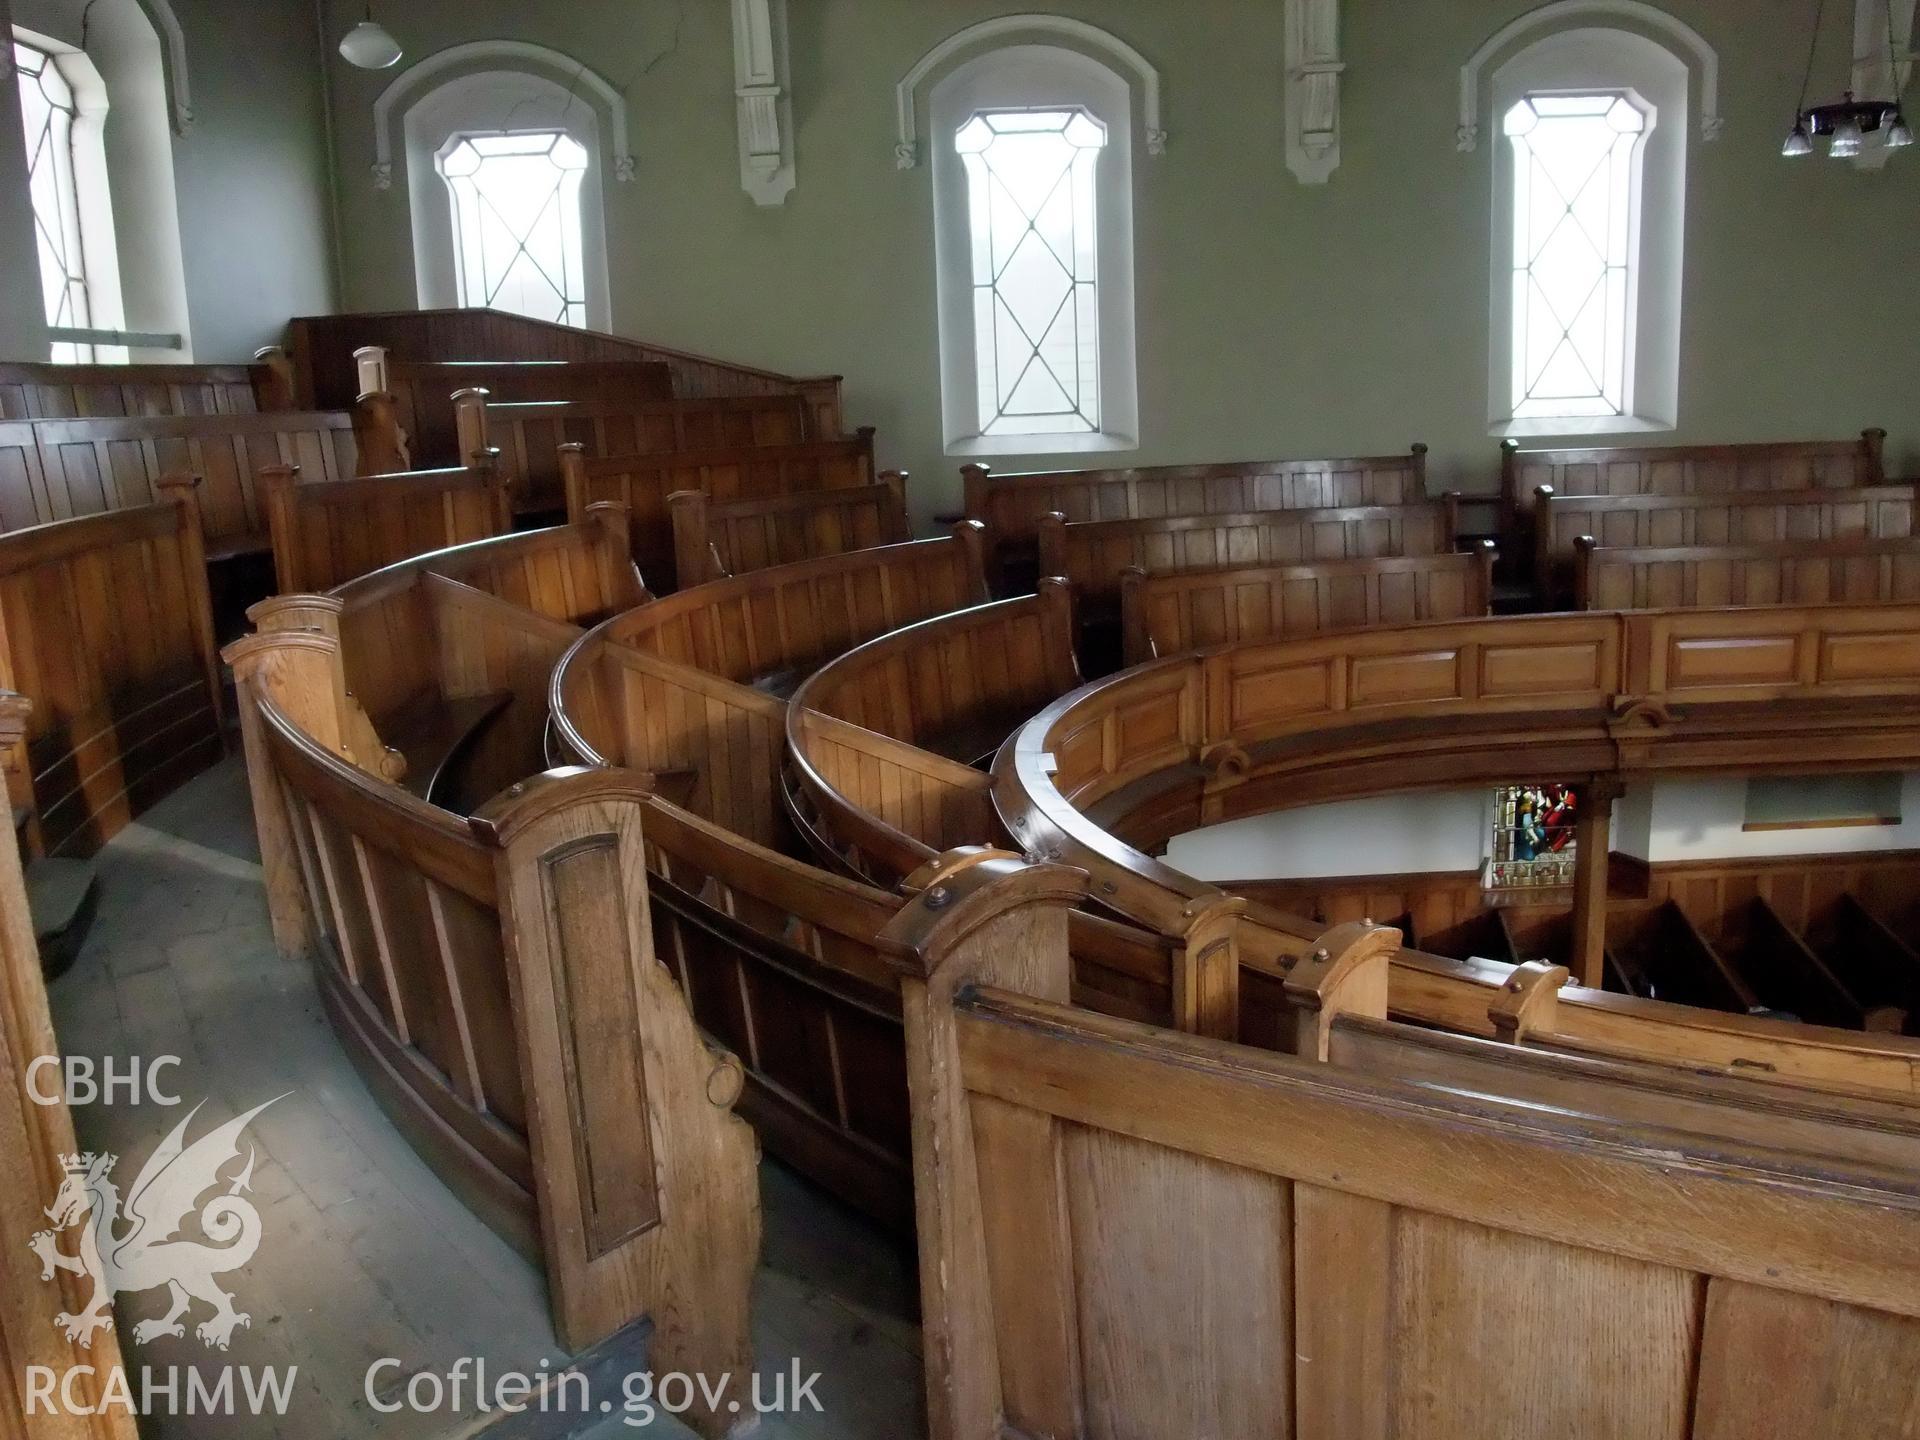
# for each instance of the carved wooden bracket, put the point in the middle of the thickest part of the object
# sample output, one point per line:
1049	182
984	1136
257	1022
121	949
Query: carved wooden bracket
1526	1004
763	93
1346	974
1313	89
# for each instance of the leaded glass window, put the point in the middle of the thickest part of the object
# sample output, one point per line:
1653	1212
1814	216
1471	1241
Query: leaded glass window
1575	234
1036	304
48	108
516	222
1533	841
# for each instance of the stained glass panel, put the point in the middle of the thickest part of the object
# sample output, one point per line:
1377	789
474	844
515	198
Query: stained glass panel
1532	837
48	108
1036	315
1573	251
516	222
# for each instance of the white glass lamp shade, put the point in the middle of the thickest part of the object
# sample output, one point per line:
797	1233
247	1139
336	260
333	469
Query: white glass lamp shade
369	46
1846	139
1799	142
1899	133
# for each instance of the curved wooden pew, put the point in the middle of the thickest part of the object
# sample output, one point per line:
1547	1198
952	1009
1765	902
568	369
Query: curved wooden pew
716	538
530	435
1114	770
770	628
1876	512
324	532
33	390
1399	1235
1680	470
105	627
1094	553
1011	506
1803	572
1163	614
644	482
496	984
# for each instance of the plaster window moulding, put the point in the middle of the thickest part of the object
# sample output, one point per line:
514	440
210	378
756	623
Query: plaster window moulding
509	54
1562	14
762	92
1010	29
173	40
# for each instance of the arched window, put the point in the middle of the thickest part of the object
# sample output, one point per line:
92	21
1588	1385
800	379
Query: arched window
516	222
1589	184
63	106
1031	148
506	174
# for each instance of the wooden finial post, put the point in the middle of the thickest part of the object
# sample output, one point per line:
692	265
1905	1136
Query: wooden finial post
1347	974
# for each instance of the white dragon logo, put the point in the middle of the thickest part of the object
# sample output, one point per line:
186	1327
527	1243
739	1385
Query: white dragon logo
153	1253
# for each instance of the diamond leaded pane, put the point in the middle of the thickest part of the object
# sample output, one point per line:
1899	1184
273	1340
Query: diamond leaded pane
1030	203
48	110
516	210
1574	161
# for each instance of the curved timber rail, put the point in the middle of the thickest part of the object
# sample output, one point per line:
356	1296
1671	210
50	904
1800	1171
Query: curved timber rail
1110	772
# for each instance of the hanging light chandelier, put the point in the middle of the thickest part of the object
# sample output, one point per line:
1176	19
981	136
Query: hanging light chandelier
369	45
1848	121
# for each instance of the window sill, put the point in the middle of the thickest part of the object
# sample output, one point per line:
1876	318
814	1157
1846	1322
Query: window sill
1581	425
1040	445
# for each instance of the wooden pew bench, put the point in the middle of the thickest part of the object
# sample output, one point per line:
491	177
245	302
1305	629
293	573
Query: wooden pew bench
531	435
1774	517
59	469
1012	506
452	955
325	532
31	390
423	391
105	626
716	538
644	482
1162	614
1679	470
1415	1232
1802	572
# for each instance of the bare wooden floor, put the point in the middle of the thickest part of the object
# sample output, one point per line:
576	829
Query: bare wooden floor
364	1254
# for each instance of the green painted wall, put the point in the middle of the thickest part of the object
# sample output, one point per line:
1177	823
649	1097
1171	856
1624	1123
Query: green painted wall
1274	319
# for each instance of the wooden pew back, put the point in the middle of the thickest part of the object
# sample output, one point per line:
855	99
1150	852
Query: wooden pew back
41	391
530	435
1165	614
59	469
1688	469
773	626
1403	1241
1011	506
716	538
105	626
327	531
1092	554
1877	512
423	391
951	681
325	351
1829	572
643	482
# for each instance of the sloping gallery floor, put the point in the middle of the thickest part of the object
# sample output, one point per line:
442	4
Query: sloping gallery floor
364	1255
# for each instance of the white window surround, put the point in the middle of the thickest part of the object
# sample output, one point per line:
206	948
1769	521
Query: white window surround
492	101
99	251
1585	61
1020	77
